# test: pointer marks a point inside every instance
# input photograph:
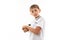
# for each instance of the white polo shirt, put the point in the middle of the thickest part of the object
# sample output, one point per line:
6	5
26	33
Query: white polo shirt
39	21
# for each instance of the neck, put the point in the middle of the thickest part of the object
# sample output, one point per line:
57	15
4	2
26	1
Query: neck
37	16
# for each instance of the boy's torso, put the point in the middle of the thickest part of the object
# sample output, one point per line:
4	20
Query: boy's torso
33	24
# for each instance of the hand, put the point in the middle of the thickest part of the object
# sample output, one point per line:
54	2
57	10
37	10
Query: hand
24	28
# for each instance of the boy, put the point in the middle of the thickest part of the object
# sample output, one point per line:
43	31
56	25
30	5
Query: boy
37	26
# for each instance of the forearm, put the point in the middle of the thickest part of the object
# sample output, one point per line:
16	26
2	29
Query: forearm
33	30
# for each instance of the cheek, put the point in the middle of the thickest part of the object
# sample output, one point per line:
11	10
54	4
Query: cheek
31	13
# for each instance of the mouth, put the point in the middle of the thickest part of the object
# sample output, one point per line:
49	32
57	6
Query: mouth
35	14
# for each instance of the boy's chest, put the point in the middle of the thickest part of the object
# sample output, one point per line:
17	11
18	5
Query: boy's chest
34	23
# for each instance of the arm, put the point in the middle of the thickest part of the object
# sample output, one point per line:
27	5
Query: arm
37	30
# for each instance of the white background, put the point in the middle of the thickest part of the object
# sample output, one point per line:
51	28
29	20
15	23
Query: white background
15	13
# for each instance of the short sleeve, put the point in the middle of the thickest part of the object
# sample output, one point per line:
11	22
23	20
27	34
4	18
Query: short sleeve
40	23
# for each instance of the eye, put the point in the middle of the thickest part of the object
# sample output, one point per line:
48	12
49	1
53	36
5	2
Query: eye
32	11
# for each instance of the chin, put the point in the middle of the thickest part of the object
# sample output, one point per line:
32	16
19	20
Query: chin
35	16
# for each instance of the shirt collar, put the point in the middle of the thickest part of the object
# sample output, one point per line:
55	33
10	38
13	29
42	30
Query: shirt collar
37	17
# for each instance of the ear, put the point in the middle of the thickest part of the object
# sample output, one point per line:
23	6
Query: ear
39	10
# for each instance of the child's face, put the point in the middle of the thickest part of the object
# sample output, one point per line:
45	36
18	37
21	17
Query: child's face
34	12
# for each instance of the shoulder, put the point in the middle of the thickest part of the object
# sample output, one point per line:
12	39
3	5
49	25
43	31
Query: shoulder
41	19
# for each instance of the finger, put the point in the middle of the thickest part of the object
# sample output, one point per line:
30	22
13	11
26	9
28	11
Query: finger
25	30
